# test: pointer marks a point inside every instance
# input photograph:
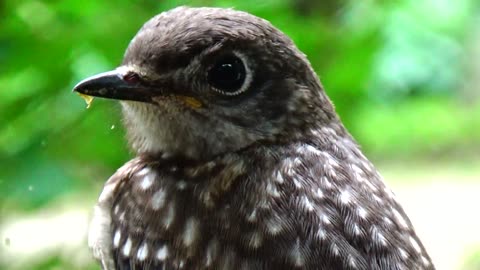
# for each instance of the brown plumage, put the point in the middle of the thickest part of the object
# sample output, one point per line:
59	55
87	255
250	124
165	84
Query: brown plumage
242	162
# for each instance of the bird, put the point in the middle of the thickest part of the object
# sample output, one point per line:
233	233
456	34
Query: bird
241	161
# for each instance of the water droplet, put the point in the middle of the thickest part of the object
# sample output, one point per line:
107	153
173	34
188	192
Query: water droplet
112	127
30	188
7	241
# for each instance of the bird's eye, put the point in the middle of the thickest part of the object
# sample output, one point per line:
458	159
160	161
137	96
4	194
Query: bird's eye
228	75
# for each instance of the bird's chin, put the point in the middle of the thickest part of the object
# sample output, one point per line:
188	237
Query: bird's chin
159	129
171	129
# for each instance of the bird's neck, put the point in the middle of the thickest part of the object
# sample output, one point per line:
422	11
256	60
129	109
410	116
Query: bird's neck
250	191
218	175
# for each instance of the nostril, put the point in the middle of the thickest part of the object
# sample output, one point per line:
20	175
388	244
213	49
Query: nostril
131	77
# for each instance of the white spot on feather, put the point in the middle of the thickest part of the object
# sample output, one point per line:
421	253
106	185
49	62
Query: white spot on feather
170	215
158	199
289	165
279	178
142	252
329	170
371	186
274	226
378	199
319	193
415	245
335	249
181	185
345	197
400	218
191	231
263	203
378	236
143	172
425	261
212	251
387	220
122	216
116	209
147	181
358	173
309	149
356	170
356	229
127	247
306	202
325	218
116	238
296	254
272	190
352	262
253	216
328	130
297	183
321	234
326	182
162	253
330	160
255	240
403	253
362	212
389	193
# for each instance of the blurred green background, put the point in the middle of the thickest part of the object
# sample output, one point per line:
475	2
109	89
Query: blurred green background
403	75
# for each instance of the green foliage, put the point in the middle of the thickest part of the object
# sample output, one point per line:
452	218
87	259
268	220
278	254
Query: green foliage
473	260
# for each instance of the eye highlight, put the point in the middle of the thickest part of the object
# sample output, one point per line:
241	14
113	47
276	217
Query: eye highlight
229	75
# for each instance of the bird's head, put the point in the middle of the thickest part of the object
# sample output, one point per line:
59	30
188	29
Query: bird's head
199	82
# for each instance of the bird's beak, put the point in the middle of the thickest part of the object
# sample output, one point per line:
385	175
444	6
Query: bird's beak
114	85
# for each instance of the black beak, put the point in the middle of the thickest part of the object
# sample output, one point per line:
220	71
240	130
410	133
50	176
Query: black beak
115	85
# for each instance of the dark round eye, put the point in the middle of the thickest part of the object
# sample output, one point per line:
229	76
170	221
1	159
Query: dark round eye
228	75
